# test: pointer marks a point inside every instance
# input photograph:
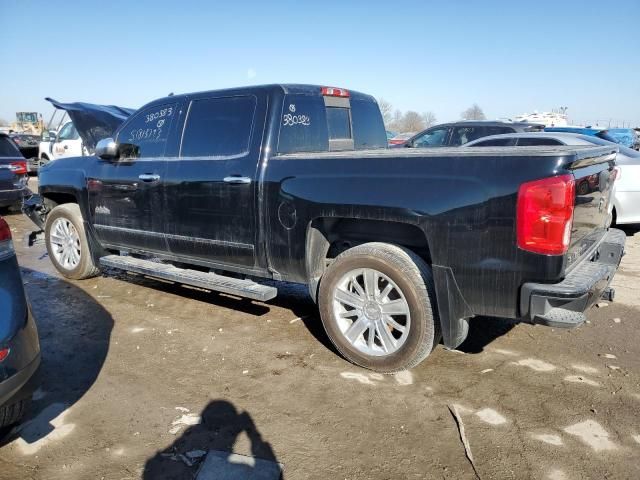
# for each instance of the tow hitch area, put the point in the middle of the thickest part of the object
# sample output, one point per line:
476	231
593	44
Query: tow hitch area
608	294
33	207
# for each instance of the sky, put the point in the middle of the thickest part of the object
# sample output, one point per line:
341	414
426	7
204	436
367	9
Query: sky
509	57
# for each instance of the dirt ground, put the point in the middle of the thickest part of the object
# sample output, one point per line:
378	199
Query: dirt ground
134	368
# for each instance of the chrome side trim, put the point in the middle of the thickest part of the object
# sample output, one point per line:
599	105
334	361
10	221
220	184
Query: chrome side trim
170	236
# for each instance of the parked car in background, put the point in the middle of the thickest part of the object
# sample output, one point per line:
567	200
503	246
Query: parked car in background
19	344
626	137
27	144
625	208
459	133
296	183
390	135
401	138
13	174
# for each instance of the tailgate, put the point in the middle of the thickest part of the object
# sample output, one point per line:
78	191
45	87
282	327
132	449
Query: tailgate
7	177
594	178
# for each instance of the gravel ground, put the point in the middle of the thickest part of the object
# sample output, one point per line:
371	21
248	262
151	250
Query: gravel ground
137	373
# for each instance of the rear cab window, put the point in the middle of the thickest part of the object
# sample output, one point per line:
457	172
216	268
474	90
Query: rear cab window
319	123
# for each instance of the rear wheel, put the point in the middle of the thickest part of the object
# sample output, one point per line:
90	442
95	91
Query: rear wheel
378	307
67	243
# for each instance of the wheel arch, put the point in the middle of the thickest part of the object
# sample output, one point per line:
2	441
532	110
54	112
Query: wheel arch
327	237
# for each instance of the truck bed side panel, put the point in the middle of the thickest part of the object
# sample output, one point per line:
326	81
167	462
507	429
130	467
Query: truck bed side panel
464	205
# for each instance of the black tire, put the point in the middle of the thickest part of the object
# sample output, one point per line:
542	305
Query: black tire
413	277
85	268
12	414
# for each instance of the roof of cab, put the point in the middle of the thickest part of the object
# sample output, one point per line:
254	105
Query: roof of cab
286	88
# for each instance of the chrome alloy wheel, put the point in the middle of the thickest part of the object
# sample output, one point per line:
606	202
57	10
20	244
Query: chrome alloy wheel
65	243
371	311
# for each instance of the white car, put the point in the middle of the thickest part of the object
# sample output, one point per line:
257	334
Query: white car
67	143
626	203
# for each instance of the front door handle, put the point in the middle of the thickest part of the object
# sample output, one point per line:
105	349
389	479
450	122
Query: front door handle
149	177
237	180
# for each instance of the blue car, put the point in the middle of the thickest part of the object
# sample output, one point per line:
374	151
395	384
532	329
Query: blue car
622	136
19	344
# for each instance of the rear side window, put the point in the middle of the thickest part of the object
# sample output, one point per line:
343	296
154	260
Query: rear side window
303	126
532	142
368	127
496	142
218	127
145	134
462	135
8	148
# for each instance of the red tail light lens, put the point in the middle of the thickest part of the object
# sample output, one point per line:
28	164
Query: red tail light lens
19	168
5	231
4	353
545	215
6	245
335	92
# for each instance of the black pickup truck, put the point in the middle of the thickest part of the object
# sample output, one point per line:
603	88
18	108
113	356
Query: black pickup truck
399	248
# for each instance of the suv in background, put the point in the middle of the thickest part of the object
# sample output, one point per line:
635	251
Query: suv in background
459	133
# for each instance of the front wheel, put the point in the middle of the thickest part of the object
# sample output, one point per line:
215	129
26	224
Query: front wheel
67	243
377	304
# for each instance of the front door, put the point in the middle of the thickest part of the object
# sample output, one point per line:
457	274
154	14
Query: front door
127	195
68	142
211	186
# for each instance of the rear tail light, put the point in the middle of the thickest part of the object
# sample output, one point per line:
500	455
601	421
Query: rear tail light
4	353
6	245
334	92
19	168
545	215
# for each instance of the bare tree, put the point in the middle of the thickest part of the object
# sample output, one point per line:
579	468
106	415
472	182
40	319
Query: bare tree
474	112
396	123
386	109
412	122
429	119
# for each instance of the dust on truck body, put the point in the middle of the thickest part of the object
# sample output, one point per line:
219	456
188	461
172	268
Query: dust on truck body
399	248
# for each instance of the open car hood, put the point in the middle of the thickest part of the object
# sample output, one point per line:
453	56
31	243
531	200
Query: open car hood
93	122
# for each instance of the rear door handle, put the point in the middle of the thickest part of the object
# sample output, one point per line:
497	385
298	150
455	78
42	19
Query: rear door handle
149	177
237	180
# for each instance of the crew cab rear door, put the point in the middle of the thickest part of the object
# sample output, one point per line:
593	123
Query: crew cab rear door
211	185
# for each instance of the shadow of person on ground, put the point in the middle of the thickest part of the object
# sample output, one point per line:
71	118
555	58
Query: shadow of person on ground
218	430
75	333
483	331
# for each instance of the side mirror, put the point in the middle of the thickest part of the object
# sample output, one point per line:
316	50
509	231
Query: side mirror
107	149
52	136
